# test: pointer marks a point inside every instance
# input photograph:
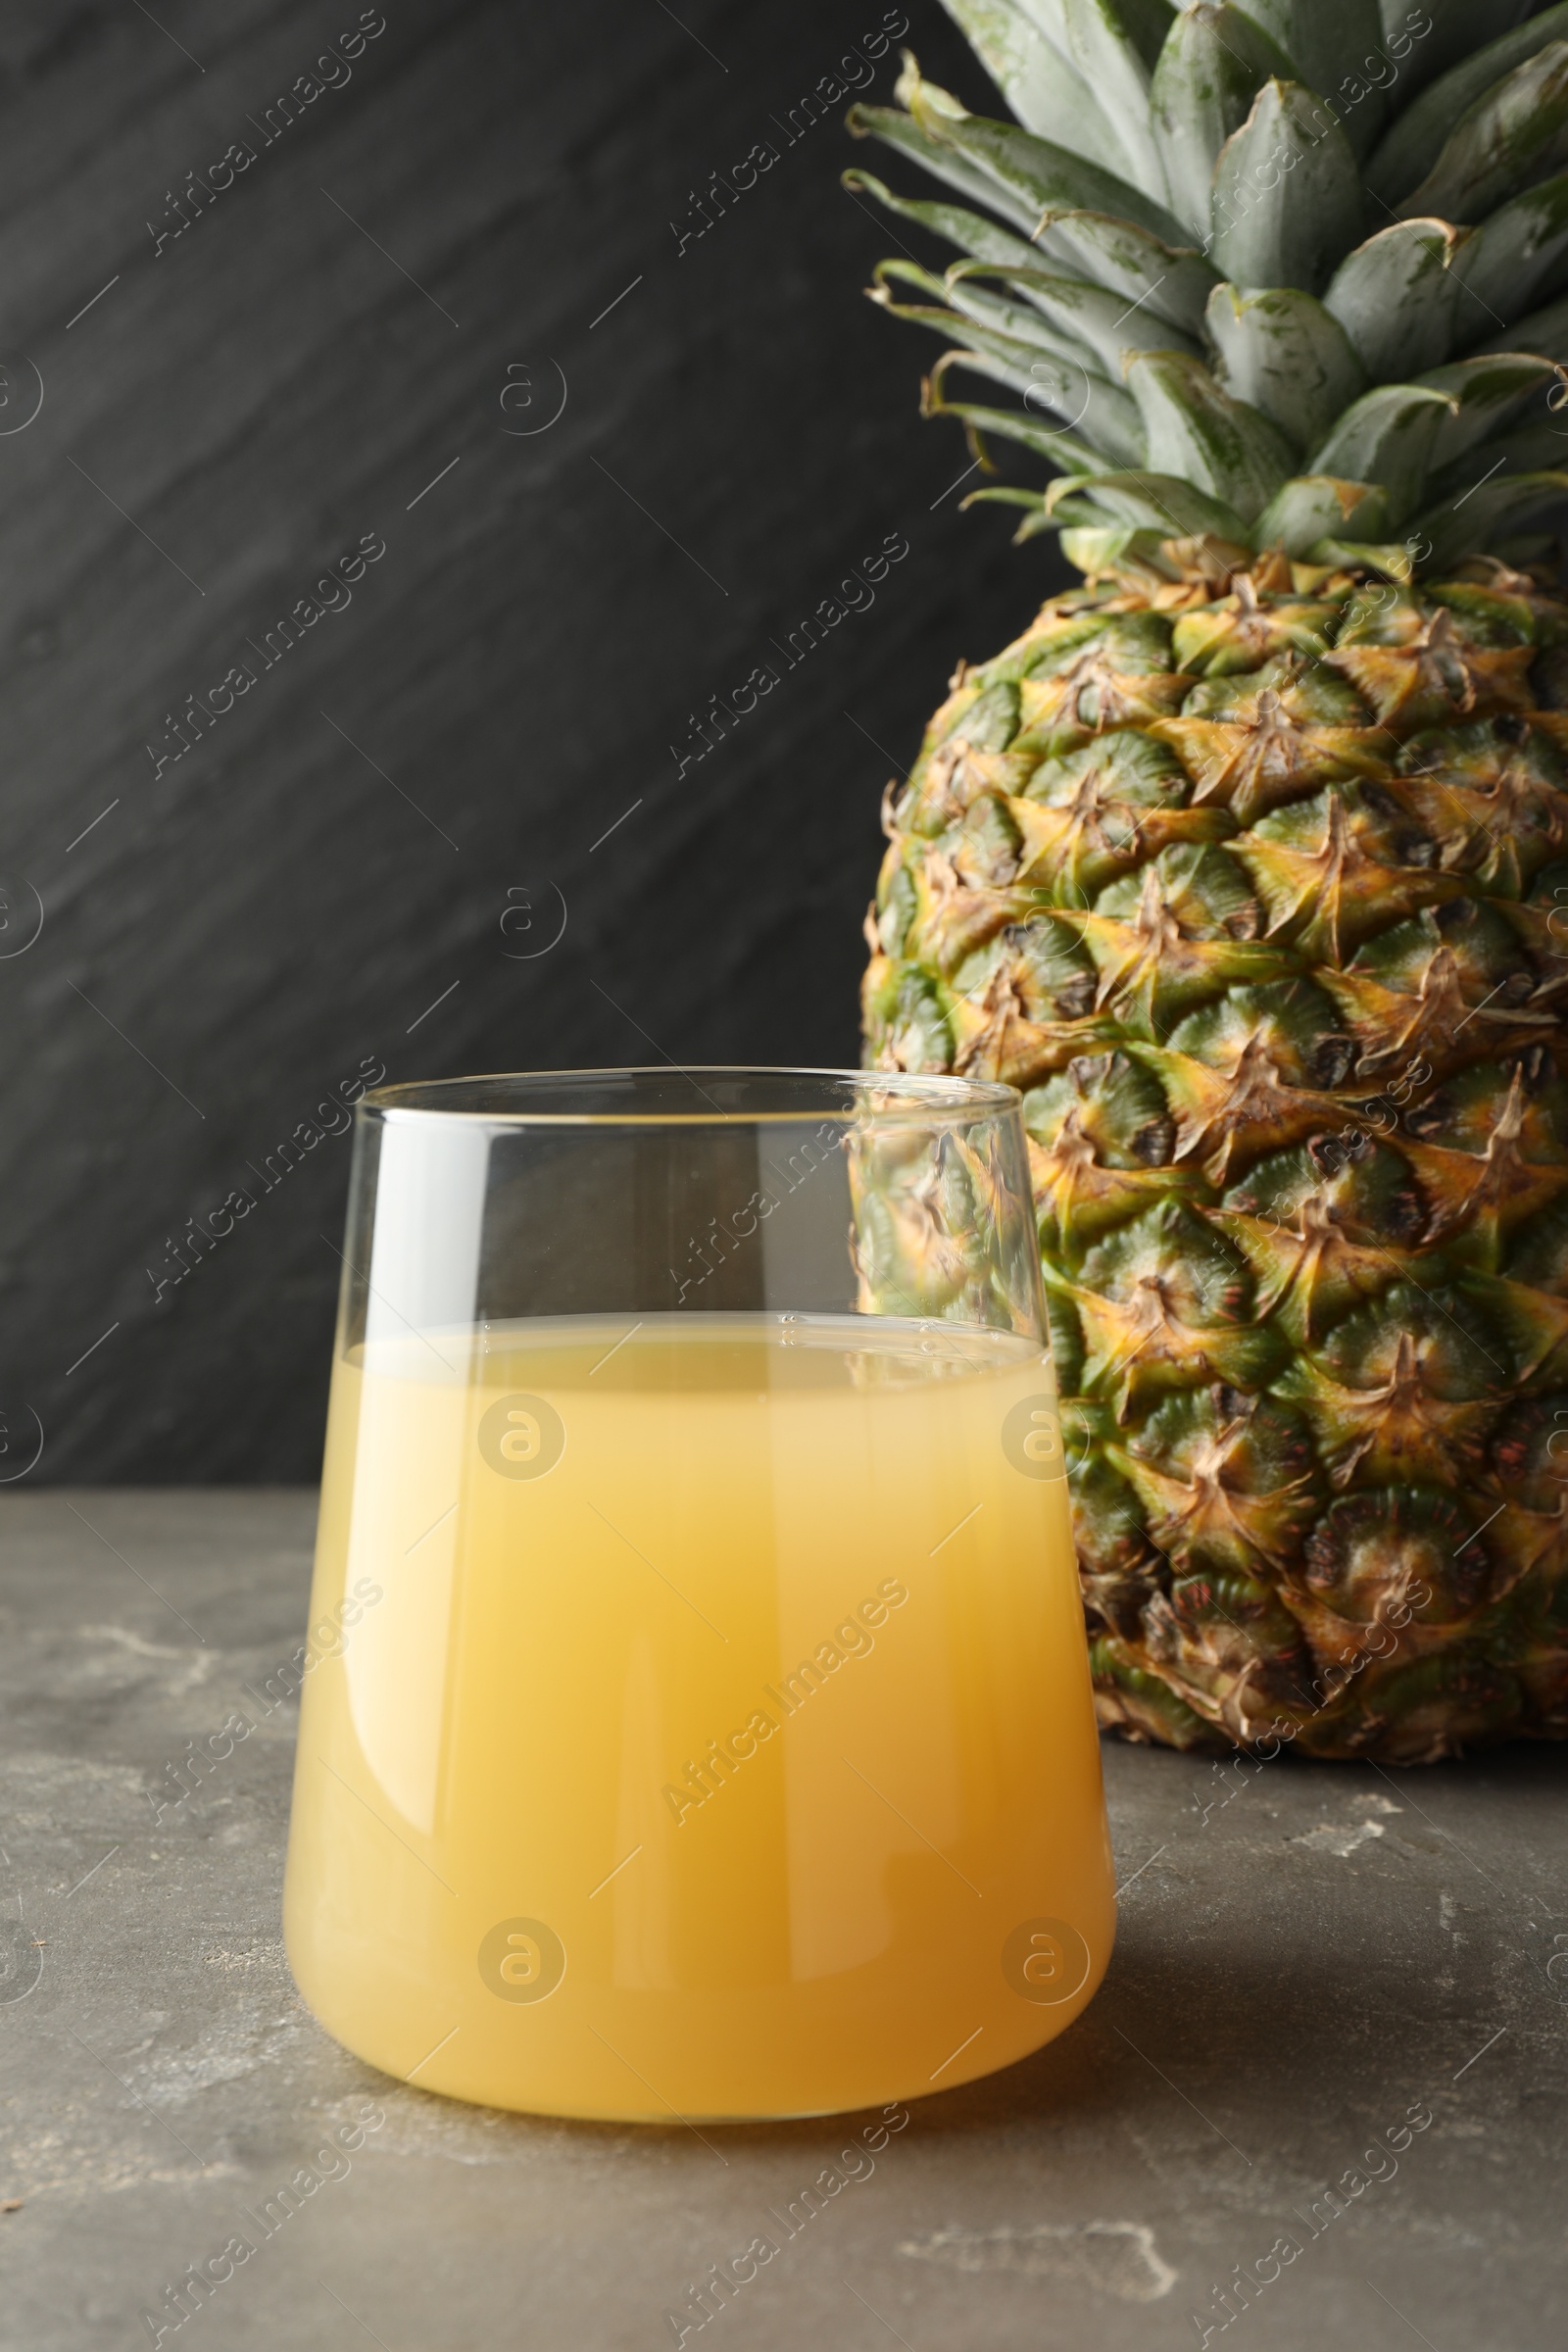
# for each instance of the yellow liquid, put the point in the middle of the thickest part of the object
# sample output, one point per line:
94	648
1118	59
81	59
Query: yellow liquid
710	1733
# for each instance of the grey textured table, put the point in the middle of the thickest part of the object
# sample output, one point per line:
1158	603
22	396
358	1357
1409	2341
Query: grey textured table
1309	1956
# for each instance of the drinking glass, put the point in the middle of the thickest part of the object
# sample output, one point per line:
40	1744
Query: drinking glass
696	1718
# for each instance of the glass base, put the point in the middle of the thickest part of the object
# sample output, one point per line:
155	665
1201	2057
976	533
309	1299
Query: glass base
573	2071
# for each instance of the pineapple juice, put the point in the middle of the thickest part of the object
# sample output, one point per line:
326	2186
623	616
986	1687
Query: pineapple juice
719	1739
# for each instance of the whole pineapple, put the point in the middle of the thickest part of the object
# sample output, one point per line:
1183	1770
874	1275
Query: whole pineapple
1247	861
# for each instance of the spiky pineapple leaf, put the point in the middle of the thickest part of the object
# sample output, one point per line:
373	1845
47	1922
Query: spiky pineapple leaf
1541	447
1092	317
1093	552
1515	258
1515	135
1196	432
1174	281
971	300
1424	127
1101	34
1052	17
1454	29
1033	174
944	162
1286	198
957	309
1459	529
1160	502
1545	330
1146	23
1037	79
970	231
1322	38
1284	436
1282	351
1314	507
1052	442
1387	437
1391	558
1036	520
1489	393
1050	374
1209	72
1084	514
1397	296
1101	412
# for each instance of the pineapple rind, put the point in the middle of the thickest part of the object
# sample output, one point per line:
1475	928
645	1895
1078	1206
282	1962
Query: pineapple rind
1289	1036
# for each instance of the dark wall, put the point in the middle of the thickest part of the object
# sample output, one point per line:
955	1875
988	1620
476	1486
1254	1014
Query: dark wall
321	359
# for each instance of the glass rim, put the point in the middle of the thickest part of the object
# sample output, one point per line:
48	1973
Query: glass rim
919	1095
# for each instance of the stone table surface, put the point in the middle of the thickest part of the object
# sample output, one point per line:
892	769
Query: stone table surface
1311	1957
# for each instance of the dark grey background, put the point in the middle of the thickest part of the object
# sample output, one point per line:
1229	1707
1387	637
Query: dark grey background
240	929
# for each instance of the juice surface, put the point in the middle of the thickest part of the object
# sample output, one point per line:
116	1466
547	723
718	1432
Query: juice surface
709	1731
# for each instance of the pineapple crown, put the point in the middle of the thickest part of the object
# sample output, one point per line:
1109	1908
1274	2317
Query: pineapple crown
1281	274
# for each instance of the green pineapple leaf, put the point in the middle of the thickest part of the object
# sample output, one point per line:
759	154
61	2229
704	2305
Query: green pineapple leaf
1003	331
1456	530
1099	321
1110	58
1209	72
1533	449
1314	507
1489	393
897	129
1515	257
1391	558
1388	436
1454	30
970	231
1093	552
1160	502
1052	442
1174	281
1023	321
1145	23
1100	411
1053	379
1283	353
1545	330
1424	127
1325	40
1032	175
1196	430
1396	295
1037	79
1286	198
1513	137
1036	520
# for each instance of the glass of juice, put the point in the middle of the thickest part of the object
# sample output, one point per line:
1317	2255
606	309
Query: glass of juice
696	1718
